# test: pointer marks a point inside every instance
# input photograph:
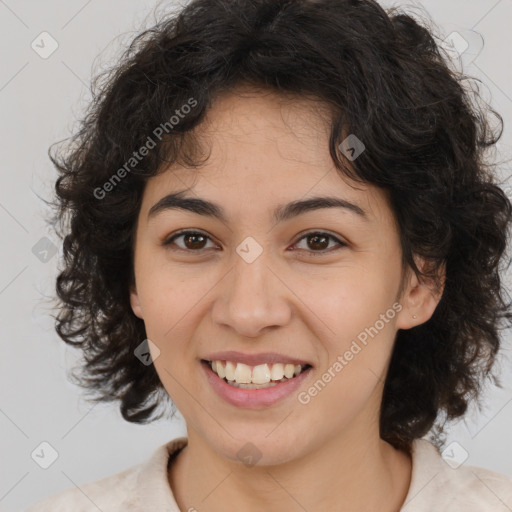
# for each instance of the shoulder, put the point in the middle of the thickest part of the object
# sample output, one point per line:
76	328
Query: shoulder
451	487
145	484
109	493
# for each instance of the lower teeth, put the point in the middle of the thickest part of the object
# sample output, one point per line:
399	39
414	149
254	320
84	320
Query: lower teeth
254	386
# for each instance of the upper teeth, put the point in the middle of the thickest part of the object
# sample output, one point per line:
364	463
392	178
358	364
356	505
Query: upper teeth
260	374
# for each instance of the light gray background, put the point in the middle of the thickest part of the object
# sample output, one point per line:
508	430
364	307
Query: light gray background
40	100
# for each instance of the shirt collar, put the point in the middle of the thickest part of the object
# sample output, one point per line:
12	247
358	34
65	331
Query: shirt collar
154	490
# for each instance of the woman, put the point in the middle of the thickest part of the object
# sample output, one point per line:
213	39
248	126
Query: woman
281	219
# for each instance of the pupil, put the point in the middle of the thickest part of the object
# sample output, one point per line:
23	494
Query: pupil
316	242
191	237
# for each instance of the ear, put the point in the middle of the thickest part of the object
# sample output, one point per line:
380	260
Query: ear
419	298
134	301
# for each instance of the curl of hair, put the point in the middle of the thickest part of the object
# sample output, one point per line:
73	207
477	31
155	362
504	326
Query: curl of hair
384	79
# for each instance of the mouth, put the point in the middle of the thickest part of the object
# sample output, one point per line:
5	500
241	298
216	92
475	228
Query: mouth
263	385
261	376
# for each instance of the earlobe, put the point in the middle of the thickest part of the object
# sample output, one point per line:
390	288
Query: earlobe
134	302
419	301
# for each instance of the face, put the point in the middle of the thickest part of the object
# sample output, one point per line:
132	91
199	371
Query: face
316	284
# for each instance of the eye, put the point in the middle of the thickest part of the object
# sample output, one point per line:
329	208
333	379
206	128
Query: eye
193	241
319	242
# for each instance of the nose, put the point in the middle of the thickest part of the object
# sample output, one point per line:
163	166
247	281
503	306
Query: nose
252	298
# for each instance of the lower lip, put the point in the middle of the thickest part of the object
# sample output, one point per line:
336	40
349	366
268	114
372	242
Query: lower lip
253	398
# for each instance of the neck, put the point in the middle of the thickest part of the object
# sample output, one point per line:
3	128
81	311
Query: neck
341	474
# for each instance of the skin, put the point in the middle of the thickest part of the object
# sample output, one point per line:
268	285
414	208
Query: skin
268	150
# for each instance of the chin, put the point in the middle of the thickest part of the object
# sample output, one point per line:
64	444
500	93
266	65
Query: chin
259	446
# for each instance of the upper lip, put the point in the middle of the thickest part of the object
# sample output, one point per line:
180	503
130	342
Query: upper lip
254	359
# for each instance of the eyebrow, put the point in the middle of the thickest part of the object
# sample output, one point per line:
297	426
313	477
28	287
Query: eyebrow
178	201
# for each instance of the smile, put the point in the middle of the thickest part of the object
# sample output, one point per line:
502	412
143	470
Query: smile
255	377
265	384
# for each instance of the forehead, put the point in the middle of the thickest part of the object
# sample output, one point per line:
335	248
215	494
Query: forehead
248	109
264	149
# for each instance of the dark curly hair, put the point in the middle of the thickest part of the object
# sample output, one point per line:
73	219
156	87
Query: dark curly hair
383	78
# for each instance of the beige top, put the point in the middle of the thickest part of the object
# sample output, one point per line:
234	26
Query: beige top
435	486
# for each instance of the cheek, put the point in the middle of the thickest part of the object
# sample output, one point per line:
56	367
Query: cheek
349	301
352	377
166	296
173	308
358	319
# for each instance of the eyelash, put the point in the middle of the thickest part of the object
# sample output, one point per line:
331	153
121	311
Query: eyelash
179	234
